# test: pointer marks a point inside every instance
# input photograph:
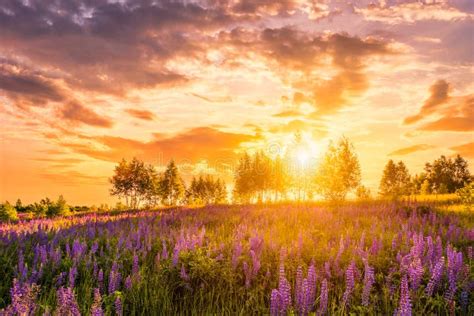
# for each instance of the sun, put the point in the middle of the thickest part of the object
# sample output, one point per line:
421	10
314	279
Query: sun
303	156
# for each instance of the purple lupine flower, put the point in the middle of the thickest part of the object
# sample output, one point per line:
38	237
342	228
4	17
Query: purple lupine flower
405	303
176	252
183	274
60	279
275	303
135	265
100	279
323	300
255	263
114	278
247	273
96	309
350	283
72	276
284	289
415	273
164	251
236	254
455	264
66	302
118	306
128	283
23	299
22	268
312	280
435	277
369	280
327	269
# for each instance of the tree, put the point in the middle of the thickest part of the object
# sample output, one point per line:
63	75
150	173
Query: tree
134	181
363	193
339	171
171	187
58	208
466	195
244	186
446	175
8	212
395	180
206	190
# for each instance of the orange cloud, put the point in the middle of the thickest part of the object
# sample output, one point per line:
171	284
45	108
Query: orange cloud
410	150
465	150
438	96
191	146
77	113
141	114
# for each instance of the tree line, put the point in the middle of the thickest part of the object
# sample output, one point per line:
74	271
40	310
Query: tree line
260	178
140	184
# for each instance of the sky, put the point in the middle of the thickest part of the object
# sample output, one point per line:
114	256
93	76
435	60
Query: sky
85	83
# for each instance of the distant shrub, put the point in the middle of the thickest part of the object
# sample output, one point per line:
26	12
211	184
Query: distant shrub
8	212
466	194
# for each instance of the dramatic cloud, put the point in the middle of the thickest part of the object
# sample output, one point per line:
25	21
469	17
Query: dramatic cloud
190	146
77	113
438	95
410	150
457	113
465	150
141	114
411	12
27	88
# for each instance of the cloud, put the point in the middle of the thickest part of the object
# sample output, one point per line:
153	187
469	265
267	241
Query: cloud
465	150
438	96
298	57
189	146
411	12
289	113
27	88
213	99
450	123
141	114
454	113
77	113
411	149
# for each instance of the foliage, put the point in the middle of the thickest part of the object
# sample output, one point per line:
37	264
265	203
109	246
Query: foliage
466	194
339	172
8	212
395	180
446	175
134	181
206	190
361	259
363	193
171	186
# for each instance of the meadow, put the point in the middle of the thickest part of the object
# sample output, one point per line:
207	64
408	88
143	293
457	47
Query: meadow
374	258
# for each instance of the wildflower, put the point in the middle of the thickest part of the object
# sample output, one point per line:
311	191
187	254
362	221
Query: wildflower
183	274
369	280
236	254
405	302
23	299
118	306
66	302
128	283
435	277
350	283
96	309
323	300
415	273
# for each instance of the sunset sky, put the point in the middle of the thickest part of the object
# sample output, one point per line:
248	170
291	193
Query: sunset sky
84	83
